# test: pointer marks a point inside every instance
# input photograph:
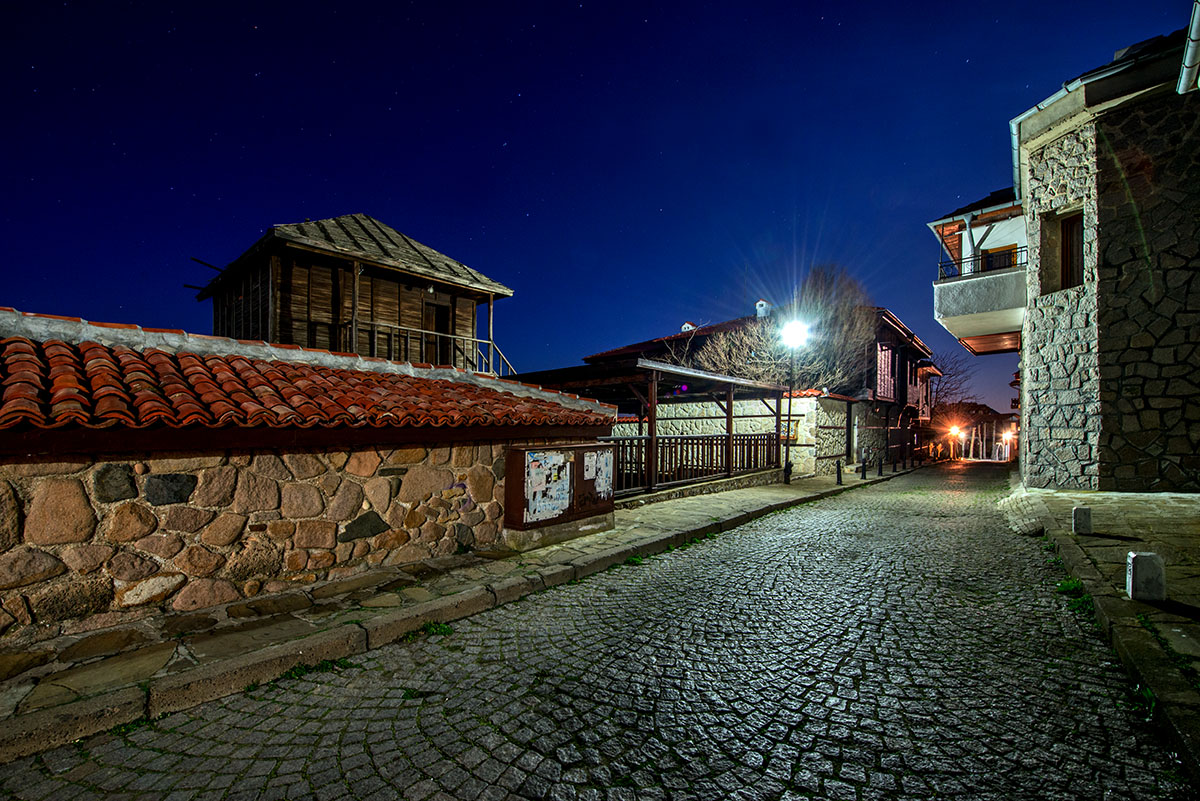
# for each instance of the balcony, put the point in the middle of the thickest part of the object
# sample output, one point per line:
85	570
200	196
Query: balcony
981	300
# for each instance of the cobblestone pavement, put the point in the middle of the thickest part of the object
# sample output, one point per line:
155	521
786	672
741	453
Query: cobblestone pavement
893	642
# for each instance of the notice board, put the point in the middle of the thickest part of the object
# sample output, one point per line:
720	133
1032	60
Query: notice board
550	484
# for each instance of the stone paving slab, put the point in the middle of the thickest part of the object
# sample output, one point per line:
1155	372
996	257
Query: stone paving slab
346	617
1158	642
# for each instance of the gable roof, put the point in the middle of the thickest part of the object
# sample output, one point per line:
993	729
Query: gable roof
1001	197
65	372
364	238
663	343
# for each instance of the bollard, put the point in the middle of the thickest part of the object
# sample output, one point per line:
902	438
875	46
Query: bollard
1145	576
893	465
879	464
1081	520
864	468
839	472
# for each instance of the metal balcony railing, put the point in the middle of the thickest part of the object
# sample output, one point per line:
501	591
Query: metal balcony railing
983	263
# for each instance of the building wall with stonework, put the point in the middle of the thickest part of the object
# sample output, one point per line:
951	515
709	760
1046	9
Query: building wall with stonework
823	435
1060	403
1149	293
750	417
110	540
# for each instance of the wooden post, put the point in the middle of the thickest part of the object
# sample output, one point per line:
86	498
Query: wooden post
491	339
778	427
652	422
354	311
729	430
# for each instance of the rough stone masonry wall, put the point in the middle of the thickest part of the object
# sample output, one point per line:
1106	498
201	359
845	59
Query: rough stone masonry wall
825	428
113	540
1060	404
687	418
1149	294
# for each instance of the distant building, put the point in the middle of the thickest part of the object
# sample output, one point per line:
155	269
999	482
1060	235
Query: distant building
1106	311
353	284
885	418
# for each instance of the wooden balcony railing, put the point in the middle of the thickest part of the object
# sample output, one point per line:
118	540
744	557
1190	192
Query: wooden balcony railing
688	459
400	343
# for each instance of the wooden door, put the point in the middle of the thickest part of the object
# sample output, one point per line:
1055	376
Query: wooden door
437	344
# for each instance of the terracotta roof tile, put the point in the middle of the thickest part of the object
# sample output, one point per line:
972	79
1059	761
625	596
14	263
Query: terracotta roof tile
52	384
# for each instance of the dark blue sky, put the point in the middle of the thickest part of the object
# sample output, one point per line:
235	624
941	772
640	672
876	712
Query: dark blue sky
623	167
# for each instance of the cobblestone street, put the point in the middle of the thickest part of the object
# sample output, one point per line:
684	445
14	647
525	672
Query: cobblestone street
893	642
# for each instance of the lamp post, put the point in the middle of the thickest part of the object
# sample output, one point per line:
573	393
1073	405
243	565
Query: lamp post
953	436
793	335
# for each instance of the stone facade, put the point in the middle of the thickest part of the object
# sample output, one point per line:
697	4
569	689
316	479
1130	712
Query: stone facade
822	436
706	418
1060	378
113	540
1149	288
1109	398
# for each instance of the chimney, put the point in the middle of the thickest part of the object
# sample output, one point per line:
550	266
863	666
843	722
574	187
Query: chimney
762	308
688	325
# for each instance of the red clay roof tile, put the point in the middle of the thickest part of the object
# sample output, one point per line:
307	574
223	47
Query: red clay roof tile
52	384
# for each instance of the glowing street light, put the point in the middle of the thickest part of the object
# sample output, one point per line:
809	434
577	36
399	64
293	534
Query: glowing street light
793	335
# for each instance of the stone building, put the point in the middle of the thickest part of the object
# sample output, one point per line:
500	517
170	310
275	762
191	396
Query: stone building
149	472
1108	172
885	418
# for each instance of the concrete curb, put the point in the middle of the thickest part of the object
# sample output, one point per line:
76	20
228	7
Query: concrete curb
48	728
1177	703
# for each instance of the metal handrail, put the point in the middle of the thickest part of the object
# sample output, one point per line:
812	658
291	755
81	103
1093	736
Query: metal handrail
983	262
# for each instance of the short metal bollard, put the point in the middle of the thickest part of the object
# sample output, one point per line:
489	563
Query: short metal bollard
893	465
879	466
839	472
864	468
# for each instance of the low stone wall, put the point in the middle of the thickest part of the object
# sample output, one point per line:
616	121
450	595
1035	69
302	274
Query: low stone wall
93	542
690	419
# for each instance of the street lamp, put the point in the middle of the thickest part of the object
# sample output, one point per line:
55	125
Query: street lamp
793	336
1007	437
953	434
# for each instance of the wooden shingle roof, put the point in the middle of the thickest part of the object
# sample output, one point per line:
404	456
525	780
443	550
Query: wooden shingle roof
363	237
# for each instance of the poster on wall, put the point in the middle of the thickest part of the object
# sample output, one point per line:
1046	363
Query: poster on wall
603	473
547	484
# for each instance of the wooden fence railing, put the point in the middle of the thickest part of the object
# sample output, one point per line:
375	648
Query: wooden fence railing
688	459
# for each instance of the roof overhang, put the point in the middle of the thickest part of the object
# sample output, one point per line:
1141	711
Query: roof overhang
614	382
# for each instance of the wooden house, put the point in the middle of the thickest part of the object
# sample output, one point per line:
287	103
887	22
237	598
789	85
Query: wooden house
353	284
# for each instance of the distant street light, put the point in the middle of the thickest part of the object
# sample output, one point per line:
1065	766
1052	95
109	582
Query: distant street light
953	434
793	336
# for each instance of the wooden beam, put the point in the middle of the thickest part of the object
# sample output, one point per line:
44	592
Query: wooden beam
652	422
728	430
49	444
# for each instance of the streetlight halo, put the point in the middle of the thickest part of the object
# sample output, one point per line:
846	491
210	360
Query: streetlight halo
794	334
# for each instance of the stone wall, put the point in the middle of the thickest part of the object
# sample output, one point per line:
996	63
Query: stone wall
112	540
1149	294
824	426
688	418
1060	404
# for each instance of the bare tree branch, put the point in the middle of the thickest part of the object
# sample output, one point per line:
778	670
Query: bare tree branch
838	354
950	390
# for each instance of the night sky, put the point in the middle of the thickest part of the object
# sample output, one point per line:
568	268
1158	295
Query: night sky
623	167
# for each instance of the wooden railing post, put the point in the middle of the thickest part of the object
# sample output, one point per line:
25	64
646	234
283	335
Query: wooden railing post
652	423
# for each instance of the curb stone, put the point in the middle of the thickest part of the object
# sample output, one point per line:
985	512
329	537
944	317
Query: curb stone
48	728
1177	702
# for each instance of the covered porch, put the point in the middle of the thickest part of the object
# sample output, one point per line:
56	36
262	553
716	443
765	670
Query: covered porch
650	460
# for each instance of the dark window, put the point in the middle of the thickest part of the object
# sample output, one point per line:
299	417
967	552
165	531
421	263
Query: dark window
998	258
1071	239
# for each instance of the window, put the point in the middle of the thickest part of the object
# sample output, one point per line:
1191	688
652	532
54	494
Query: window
1070	239
885	382
998	258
